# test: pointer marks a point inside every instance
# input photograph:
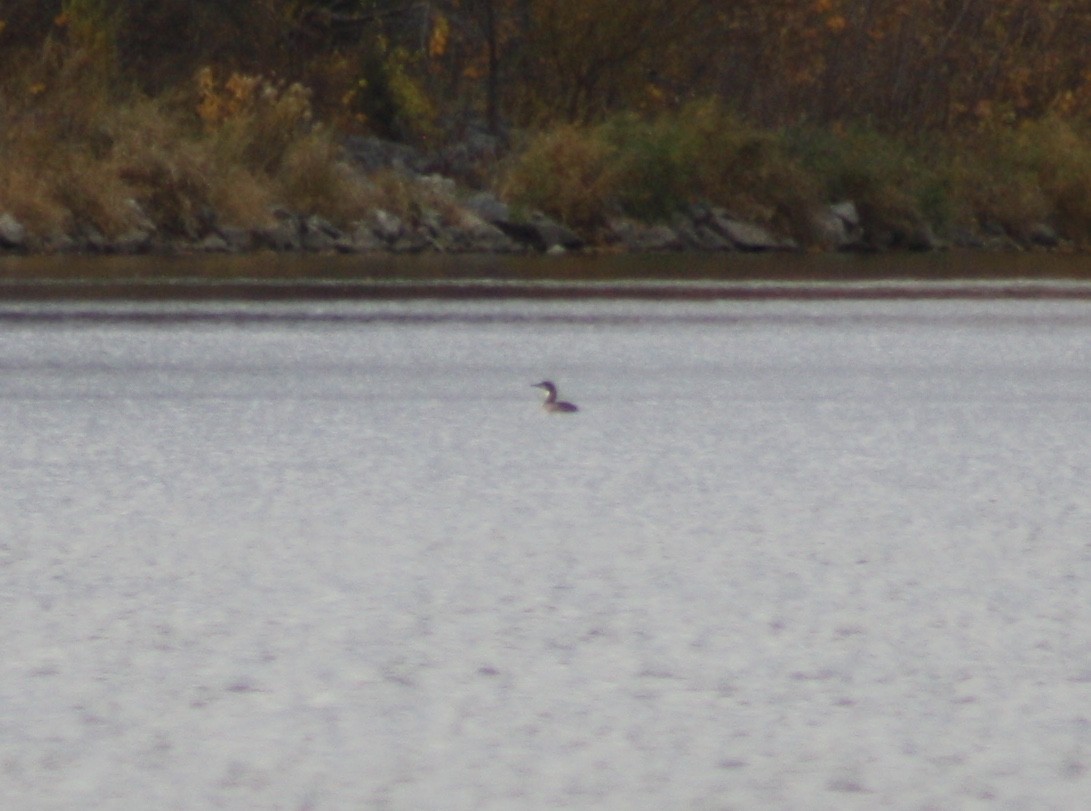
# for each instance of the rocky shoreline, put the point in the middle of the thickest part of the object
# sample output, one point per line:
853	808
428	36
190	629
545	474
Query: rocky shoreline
476	221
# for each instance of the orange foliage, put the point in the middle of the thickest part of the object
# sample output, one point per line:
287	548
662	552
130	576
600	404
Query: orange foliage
900	64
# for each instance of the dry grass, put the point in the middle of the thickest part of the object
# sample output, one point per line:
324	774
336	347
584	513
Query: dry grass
75	156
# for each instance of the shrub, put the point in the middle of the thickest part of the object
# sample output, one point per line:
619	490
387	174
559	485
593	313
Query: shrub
653	165
651	168
569	172
251	120
1058	153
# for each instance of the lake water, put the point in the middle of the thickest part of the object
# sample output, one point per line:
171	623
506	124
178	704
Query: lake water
791	553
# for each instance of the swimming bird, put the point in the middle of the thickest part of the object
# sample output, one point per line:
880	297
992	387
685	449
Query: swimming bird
552	404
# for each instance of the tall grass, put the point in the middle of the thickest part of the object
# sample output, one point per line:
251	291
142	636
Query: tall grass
75	153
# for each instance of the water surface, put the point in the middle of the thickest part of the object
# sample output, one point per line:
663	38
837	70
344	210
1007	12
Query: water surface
328	554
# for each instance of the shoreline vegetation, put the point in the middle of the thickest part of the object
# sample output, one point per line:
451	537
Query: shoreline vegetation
321	126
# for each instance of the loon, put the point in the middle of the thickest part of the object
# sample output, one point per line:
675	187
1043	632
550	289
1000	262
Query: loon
552	404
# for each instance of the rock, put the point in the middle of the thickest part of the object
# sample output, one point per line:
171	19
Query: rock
634	236
319	234
372	154
744	235
488	207
13	236
430	222
133	241
388	227
471	159
621	231
712	228
281	236
213	243
658	238
59	242
92	240
364	240
1043	235
319	225
838	226
695	232
141	234
552	233
965	238
687	233
475	235
411	242
828	229
539	232
438	184
139	218
1004	243
288	231
893	233
921	238
238	239
847	213
712	241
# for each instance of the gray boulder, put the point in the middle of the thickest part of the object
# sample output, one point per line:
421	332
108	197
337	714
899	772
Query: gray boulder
541	233
438	184
696	231
362	239
319	234
372	154
387	227
413	241
133	241
470	160
1043	235
237	239
92	240
60	242
13	236
213	243
551	233
635	236
828	229
848	213
658	238
838	226
488	207
475	235
744	235
138	218
285	234
281	236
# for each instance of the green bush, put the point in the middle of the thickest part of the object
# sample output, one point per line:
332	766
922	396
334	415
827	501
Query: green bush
651	168
1058	154
569	172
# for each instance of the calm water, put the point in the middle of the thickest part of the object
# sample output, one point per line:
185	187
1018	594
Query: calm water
822	554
